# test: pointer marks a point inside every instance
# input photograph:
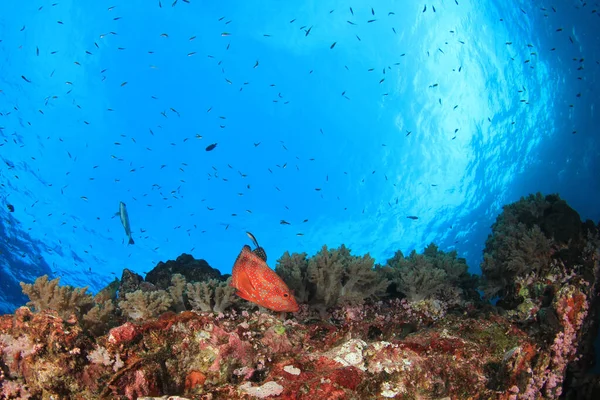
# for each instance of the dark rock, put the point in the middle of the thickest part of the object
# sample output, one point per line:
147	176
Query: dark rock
549	322
130	282
193	270
561	222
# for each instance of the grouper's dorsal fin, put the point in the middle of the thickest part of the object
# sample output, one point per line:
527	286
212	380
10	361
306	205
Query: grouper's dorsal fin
260	253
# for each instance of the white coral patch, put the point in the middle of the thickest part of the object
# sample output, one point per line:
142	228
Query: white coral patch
290	369
350	354
387	390
390	391
380	345
100	356
271	388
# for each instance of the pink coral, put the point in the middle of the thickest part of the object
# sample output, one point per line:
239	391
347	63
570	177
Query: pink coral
123	334
571	306
143	384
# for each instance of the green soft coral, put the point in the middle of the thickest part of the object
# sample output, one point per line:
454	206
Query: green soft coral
514	250
293	269
331	277
435	274
526	237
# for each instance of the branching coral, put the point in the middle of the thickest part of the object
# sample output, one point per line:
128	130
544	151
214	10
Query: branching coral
212	295
47	295
96	314
200	295
143	305
102	315
176	291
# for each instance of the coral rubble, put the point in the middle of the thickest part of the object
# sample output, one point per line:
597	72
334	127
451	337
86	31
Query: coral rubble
412	328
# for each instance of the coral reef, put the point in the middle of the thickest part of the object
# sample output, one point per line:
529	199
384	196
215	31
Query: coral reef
193	354
362	352
428	336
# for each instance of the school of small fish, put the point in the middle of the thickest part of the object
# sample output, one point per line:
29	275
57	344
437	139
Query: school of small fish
222	42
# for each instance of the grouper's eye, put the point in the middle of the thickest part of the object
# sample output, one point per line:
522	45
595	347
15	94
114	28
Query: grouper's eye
286	295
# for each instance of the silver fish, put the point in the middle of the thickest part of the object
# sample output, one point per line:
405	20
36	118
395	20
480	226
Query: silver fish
122	213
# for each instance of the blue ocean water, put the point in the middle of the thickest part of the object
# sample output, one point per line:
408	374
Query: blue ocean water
351	116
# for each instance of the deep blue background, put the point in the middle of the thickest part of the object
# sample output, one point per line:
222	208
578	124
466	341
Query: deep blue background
76	140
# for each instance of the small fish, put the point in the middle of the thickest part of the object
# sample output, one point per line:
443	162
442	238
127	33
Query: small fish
256	282
284	222
122	213
10	207
25	79
211	147
412	217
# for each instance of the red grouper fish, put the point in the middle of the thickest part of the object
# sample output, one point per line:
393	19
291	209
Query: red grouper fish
256	282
